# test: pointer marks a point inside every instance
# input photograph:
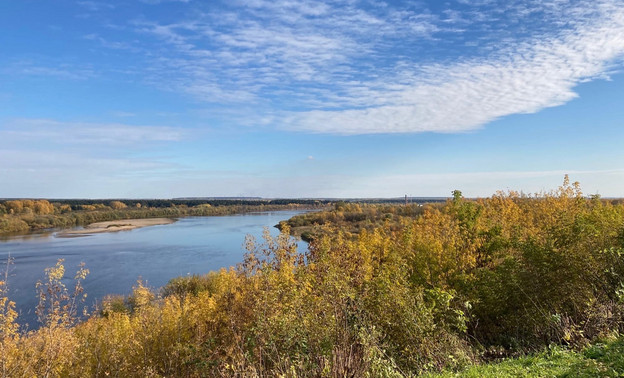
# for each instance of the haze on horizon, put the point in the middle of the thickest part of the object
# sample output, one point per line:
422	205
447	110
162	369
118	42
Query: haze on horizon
185	98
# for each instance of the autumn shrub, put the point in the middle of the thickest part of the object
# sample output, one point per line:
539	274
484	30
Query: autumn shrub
10	224
189	285
9	335
117	205
547	269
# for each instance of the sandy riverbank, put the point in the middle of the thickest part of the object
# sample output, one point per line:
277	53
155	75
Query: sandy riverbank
114	226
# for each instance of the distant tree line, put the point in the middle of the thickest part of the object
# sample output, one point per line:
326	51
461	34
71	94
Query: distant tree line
159	203
26	215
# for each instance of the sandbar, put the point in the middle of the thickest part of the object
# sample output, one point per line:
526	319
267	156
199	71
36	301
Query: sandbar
114	226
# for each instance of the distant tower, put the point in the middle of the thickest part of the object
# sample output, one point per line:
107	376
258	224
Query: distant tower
406	200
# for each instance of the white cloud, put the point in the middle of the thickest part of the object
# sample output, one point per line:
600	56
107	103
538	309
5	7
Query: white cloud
122	114
83	133
60	174
286	49
464	96
60	71
55	162
114	45
60	159
336	67
95	6
155	2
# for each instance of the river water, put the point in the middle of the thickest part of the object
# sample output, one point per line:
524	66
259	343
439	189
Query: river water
193	245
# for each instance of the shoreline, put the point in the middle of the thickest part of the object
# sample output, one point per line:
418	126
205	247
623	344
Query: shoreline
21	224
115	226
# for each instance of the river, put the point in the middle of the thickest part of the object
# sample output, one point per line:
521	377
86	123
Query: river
192	245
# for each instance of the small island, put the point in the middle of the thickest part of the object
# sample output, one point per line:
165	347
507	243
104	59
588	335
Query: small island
114	226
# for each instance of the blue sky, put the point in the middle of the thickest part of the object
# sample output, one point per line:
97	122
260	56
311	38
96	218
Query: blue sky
286	98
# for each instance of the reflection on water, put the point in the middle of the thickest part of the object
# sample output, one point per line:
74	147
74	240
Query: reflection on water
156	254
27	235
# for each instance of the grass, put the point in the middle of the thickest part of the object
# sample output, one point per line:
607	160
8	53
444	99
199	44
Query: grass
602	359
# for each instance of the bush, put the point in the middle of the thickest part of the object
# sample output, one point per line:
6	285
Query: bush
189	285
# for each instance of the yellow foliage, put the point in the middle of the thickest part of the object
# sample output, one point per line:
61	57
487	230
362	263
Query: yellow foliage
8	315
41	207
14	207
9	336
141	296
65	208
118	205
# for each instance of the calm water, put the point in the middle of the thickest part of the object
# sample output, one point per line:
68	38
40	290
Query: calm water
117	260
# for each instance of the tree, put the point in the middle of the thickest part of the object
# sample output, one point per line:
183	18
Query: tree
118	205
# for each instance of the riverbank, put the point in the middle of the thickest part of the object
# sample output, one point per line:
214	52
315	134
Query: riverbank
191	245
21	216
115	226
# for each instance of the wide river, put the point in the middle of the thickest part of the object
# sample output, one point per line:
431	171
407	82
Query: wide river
193	245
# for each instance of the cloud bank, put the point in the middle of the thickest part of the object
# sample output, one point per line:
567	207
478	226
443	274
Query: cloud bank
65	159
464	96
342	68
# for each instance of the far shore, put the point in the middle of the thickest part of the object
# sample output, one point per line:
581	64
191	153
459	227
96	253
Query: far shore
114	226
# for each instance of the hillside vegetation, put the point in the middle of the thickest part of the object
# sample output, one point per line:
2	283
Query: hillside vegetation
459	284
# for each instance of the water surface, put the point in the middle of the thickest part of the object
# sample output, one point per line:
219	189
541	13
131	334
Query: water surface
193	245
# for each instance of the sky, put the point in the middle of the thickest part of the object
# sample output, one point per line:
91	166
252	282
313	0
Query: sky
307	98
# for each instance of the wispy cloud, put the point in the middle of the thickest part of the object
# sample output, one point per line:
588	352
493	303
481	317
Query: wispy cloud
63	71
122	114
95	6
83	133
284	53
92	157
338	67
59	161
523	78
67	174
154	2
115	45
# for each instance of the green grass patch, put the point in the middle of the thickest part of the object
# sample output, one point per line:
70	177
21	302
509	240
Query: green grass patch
602	359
